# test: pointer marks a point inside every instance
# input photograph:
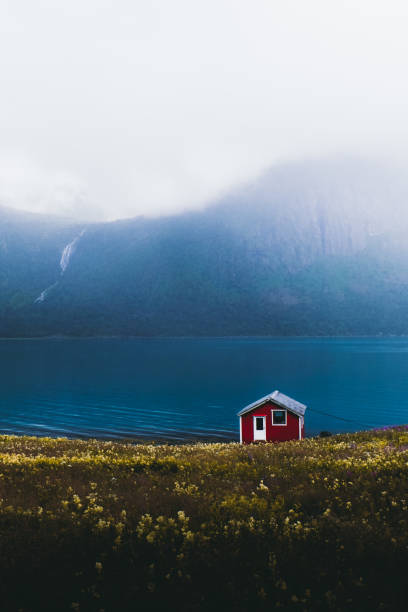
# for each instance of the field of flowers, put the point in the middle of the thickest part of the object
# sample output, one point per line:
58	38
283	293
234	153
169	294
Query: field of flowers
320	524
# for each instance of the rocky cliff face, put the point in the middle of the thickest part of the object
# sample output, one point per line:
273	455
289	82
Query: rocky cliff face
308	248
320	208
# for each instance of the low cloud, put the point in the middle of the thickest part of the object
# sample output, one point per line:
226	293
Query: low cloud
117	109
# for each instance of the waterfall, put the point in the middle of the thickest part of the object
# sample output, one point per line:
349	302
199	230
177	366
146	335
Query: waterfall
68	252
44	293
66	256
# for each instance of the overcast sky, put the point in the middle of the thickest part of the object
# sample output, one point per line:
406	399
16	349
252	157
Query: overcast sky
117	108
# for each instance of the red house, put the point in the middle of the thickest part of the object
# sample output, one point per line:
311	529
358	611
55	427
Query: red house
273	418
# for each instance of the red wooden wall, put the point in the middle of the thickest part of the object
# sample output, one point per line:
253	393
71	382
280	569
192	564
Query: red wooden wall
274	433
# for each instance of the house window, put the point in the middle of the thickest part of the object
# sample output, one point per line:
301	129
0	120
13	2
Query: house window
278	417
259	423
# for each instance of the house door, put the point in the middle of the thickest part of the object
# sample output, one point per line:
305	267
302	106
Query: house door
259	428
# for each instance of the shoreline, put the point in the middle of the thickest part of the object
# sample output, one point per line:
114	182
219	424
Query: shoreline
193	337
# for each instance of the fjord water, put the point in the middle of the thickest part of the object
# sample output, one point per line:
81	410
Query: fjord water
193	387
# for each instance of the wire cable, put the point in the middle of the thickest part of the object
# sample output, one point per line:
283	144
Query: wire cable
333	416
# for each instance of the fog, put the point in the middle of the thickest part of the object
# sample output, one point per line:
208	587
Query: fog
112	109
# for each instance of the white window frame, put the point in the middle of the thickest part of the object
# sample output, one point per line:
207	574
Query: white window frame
259	434
286	417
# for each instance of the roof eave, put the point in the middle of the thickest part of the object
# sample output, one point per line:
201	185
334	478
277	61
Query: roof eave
262	400
270	398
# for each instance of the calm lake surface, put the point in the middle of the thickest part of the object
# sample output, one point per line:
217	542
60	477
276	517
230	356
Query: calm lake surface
193	388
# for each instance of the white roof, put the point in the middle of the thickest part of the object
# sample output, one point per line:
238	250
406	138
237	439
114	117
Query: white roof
277	398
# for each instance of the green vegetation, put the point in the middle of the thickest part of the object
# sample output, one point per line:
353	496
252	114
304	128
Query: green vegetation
315	525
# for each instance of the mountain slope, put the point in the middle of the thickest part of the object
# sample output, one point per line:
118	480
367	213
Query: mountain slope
30	250
313	248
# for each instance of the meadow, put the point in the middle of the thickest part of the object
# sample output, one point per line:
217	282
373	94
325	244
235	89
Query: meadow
319	524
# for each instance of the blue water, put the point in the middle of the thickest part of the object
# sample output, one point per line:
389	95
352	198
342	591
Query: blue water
193	388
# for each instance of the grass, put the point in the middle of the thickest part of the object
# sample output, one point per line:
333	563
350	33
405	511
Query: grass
320	524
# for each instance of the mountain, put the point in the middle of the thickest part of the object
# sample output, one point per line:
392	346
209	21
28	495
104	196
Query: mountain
307	249
30	248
